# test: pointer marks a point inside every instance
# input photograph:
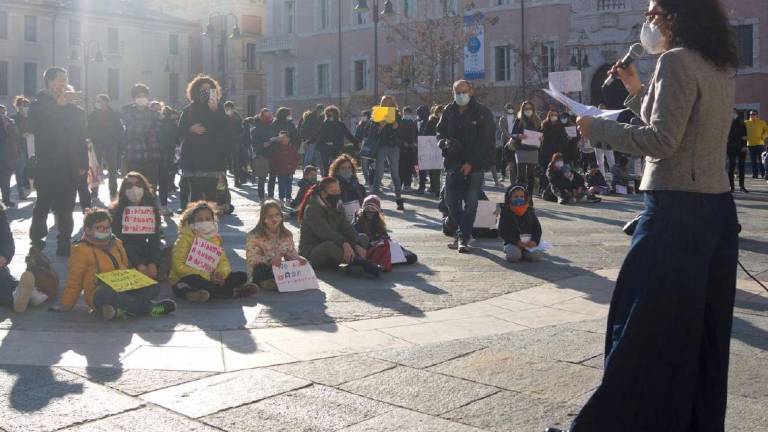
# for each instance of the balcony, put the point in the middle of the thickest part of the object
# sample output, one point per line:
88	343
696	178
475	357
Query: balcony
608	5
277	45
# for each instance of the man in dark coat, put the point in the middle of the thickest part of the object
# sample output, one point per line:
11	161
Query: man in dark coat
308	130
61	156
106	132
737	150
409	157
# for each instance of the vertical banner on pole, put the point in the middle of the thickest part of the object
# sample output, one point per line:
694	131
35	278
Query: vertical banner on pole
474	50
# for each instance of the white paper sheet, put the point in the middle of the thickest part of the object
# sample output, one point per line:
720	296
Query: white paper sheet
292	276
396	252
350	209
430	155
487	212
532	138
580	109
544	246
571	131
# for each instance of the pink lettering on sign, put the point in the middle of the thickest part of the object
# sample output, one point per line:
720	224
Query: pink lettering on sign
204	255
139	220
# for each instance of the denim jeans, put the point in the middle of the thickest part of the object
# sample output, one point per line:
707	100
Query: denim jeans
669	325
755	155
137	302
285	183
309	154
392	155
461	196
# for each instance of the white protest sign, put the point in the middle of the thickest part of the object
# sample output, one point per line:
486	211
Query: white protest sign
430	155
30	145
204	255
525	238
139	220
571	131
622	190
544	246
532	138
396	253
350	209
487	212
291	276
566	81
580	109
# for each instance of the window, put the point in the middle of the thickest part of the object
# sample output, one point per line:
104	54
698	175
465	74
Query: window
745	44
290	16
173	88
323	79
548	60
502	58
251	105
409	8
113	84
3	25
3	78
503	2
360	18
30	79
447	70
73	76
361	75
74	32
289	82
610	4
30	28
173	44
113	41
448	7
250	56
325	14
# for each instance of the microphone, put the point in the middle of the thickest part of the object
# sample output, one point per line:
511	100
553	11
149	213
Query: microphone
635	52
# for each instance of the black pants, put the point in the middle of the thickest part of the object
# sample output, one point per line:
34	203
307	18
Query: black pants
271	185
669	325
408	159
136	302
164	182
732	158
202	188
434	180
197	282
83	192
526	176
755	155
5	188
261	273
110	156
59	200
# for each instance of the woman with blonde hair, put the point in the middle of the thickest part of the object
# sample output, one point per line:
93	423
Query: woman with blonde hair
385	134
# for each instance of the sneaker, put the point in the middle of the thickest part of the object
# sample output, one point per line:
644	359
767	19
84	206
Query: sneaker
454	245
10	205
23	292
246	290
400	203
165	211
562	201
593	199
109	313
163	307
372	269
198	296
463	246
37	298
743	190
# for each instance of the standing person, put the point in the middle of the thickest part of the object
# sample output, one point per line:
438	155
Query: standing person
737	150
467	132
361	132
310	126
669	326
506	123
62	157
330	138
233	132
9	138
141	142
408	133
21	104
526	156
169	141
106	132
282	125
389	144
555	140
757	131
262	145
430	129
202	126
285	160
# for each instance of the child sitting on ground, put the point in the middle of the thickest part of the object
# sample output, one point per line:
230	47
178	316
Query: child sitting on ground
565	185
596	184
267	245
141	243
101	252
307	181
189	272
16	294
369	220
518	226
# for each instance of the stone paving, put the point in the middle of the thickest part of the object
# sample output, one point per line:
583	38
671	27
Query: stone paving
454	343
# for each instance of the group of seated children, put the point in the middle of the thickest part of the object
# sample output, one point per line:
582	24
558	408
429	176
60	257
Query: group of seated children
566	186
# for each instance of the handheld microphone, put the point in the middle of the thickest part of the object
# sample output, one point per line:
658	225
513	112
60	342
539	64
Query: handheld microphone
635	52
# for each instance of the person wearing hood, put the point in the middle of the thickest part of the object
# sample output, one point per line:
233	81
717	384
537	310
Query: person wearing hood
99	251
141	141
565	184
308	179
519	227
369	220
737	150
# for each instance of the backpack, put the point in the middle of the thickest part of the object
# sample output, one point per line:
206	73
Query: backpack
46	278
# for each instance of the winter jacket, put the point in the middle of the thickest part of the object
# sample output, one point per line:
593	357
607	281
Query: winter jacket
233	132
408	132
304	186
261	139
22	123
287	126
311	126
475	129
285	160
351	190
387	135
141	248
105	130
321	224
259	250
60	147
330	137
757	131
201	153
429	128
372	228
736	135
9	138
85	262
555	141
512	226
559	181
181	248
519	128
141	141
169	140
596	180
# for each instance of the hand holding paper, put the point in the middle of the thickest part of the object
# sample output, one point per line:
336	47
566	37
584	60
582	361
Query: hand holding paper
581	110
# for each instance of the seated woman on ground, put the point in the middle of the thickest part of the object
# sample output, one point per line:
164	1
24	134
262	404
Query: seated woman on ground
369	220
197	279
596	184
565	185
327	238
267	245
141	242
519	227
15	294
99	251
344	170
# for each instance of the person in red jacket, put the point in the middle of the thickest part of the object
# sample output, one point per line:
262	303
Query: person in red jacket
285	160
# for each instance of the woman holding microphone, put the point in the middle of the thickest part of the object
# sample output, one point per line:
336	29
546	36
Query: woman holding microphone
669	325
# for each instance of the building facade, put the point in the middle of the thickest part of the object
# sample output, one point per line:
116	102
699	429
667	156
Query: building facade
106	46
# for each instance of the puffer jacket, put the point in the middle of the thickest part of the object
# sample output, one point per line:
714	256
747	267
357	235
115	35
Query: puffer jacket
85	262
321	224
181	248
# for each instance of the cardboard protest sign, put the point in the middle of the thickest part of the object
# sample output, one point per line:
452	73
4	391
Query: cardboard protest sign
139	220
126	280
350	209
384	114
532	138
487	212
571	131
204	255
430	155
291	276
396	252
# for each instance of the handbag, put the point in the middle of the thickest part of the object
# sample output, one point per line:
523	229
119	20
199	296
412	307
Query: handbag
369	148
46	278
380	254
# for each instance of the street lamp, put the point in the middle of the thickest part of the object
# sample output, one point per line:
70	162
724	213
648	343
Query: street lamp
210	31
388	11
97	57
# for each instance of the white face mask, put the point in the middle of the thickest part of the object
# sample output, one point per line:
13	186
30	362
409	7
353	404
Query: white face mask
461	99
652	39
97	105
553	118
206	229
25	110
289	118
134	194
142	101
564	120
228	112
511	111
559	164
528	113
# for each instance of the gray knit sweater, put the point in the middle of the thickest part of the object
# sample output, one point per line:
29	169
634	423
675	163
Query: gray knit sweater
687	108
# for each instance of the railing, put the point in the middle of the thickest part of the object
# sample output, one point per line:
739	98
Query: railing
611	4
276	43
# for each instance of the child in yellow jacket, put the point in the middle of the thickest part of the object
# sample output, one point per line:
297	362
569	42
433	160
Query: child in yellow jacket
200	268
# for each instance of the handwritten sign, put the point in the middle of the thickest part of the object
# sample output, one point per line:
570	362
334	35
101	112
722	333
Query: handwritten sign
204	255
30	145
126	280
350	209
139	220
567	81
487	212
571	131
532	138
291	276
430	155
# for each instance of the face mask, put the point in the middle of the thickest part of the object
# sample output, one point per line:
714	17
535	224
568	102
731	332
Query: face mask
735	116
333	200
97	105
142	101
369	215
564	120
101	236
528	113
462	99
266	119
510	111
289	118
205	95
345	174
553	119
25	110
205	229
517	202
228	112
312	180
559	164
652	38
134	194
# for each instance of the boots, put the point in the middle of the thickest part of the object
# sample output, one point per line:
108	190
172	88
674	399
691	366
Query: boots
400	203
369	267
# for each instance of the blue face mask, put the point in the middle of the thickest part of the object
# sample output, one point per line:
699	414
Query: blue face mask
517	202
346	175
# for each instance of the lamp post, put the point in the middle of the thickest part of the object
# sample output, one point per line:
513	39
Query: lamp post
97	57
388	11
210	31
579	61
